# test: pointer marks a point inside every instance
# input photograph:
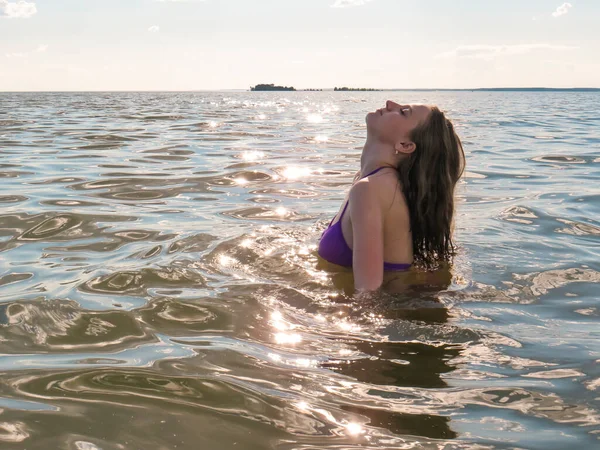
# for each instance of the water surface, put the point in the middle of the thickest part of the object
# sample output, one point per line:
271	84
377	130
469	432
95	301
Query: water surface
159	285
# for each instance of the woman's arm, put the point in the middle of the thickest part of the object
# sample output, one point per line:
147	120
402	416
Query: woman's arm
367	229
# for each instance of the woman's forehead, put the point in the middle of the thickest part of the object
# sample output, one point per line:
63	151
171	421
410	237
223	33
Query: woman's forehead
420	111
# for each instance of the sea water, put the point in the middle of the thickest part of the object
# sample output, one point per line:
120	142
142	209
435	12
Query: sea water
160	288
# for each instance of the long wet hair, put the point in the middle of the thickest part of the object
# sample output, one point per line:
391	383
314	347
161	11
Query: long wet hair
428	177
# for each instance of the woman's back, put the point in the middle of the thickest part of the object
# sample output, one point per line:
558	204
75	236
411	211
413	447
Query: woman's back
397	242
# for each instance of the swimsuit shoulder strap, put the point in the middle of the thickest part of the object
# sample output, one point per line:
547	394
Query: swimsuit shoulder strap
375	171
343	211
346	206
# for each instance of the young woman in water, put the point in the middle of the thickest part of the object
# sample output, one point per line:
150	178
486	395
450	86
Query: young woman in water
399	210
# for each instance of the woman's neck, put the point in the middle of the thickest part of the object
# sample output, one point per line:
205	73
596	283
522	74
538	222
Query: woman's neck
376	155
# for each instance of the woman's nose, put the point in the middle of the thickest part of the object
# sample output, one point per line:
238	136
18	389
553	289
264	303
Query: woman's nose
391	105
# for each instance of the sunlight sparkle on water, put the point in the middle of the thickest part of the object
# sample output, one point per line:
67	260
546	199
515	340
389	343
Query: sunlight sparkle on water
321	138
354	429
302	406
252	155
314	118
240	181
304	362
281	211
246	243
317	274
212	124
226	261
277	321
274	357
348	326
304	251
294	173
287	338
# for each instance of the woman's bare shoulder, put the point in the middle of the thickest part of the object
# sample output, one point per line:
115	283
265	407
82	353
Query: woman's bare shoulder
384	185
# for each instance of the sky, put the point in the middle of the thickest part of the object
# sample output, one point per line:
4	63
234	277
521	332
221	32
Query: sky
85	45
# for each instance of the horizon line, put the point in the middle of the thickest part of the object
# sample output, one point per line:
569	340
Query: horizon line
533	88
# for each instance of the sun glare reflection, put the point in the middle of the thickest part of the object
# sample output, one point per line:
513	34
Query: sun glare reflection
303	250
314	118
354	429
274	357
348	326
304	362
288	338
277	321
351	428
226	261
246	243
302	406
293	173
252	155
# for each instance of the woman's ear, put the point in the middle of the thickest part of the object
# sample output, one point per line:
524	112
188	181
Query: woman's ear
405	147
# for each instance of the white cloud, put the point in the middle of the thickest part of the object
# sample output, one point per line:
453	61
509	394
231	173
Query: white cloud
346	3
17	10
154	29
562	9
489	52
41	48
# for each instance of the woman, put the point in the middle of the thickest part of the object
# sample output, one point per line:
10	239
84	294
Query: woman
399	210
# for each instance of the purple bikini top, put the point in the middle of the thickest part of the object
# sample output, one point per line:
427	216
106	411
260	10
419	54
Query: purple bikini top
333	246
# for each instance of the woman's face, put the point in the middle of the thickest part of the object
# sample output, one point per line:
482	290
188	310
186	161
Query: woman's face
394	123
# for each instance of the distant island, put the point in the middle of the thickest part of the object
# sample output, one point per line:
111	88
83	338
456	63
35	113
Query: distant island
354	89
271	87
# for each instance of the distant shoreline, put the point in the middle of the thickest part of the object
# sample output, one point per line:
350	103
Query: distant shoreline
504	89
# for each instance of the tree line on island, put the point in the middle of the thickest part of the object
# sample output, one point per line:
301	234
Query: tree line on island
273	87
354	89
